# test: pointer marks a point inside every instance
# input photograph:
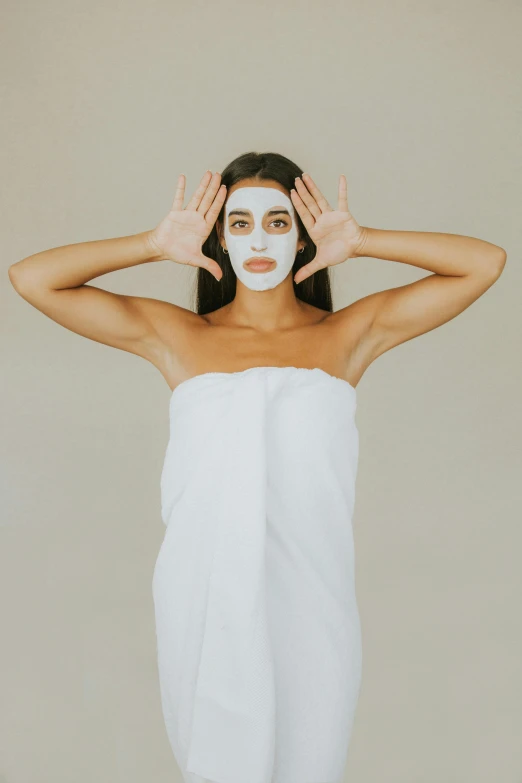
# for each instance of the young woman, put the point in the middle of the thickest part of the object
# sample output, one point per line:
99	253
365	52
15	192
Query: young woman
258	633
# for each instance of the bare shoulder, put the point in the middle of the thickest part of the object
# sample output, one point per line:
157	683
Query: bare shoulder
353	333
358	315
170	326
162	314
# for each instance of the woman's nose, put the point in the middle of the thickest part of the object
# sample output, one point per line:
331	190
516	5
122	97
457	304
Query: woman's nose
258	241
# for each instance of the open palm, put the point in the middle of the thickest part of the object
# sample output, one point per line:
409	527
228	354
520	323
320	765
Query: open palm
181	234
336	233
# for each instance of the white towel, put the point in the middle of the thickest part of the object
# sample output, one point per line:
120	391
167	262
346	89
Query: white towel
258	630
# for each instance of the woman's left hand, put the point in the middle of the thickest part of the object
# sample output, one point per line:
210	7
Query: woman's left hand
336	233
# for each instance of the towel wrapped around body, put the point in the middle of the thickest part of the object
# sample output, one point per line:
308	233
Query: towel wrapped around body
257	625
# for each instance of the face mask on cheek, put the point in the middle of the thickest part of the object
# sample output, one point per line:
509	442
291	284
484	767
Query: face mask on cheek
281	247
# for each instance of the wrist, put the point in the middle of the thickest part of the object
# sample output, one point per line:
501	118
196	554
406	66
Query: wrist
153	251
363	242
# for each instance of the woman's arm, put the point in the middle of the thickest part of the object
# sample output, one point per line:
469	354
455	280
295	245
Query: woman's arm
55	282
463	269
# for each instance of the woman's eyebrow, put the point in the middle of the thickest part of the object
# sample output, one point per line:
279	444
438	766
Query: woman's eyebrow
277	211
239	212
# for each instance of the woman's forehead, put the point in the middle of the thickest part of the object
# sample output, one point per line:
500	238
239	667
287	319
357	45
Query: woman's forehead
258	198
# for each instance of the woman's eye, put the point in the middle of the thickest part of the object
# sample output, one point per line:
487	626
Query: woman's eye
243	223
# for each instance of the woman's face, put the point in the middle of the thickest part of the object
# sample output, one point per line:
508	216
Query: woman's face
260	233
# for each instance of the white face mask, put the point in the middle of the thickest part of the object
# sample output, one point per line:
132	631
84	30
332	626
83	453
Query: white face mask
258	243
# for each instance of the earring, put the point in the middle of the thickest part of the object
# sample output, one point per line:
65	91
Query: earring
302	250
224	250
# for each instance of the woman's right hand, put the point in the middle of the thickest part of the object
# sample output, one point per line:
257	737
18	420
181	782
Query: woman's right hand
181	234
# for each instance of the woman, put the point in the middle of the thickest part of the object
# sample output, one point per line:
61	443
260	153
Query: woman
258	633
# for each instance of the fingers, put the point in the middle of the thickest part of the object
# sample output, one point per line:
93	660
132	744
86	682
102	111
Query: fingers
307	270
312	196
177	204
307	199
200	191
210	193
343	195
215	208
302	210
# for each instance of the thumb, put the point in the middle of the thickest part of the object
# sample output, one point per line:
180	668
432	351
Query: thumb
308	269
209	264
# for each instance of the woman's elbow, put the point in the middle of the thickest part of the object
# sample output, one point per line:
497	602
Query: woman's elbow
15	274
21	277
497	261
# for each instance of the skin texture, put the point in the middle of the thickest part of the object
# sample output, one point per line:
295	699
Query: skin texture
273	327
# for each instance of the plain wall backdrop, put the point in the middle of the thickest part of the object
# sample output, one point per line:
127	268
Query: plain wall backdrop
418	103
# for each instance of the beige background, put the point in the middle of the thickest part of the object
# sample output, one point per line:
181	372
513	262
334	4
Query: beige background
418	103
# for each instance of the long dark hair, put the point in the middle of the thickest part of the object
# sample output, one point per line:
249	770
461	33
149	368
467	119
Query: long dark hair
211	293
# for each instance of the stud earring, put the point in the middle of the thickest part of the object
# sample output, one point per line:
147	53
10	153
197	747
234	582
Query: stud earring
225	250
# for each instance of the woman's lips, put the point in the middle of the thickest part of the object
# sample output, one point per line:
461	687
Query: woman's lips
259	264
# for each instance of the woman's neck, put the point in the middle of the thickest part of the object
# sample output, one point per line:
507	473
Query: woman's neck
266	311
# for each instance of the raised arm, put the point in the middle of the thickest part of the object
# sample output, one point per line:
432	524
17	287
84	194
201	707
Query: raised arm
55	281
462	267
